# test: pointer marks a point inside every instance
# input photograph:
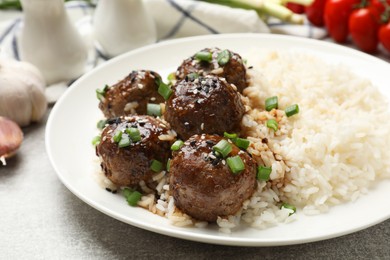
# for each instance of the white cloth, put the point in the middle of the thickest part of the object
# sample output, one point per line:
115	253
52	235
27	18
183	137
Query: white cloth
183	18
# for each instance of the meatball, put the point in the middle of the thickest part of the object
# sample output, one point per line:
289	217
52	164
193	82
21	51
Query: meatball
127	166
202	184
204	105
131	94
234	70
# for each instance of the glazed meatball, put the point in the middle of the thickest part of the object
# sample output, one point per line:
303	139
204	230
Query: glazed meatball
204	105
128	165
233	70
202	184
131	94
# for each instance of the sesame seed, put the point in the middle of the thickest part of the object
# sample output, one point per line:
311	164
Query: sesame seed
140	86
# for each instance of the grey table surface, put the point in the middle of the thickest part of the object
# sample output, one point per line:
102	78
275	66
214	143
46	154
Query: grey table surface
41	219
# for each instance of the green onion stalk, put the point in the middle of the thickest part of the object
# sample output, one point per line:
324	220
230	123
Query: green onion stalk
275	8
15	4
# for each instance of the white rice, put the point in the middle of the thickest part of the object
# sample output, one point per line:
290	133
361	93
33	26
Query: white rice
331	152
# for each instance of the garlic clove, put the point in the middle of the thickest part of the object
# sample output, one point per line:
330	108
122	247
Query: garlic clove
11	137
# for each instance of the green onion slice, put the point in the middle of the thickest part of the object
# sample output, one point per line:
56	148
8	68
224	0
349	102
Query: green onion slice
230	136
192	76
153	109
235	164
96	140
131	196
242	143
271	103
117	136
204	56
168	165
164	90
223	57
100	93
171	77
125	141
101	124
263	173
288	206
271	123
177	145
223	147
134	134
292	110
127	192
156	166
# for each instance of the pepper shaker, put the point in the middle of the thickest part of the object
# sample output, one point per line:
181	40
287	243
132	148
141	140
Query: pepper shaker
122	25
51	42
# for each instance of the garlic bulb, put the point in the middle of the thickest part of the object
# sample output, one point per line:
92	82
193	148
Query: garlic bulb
22	92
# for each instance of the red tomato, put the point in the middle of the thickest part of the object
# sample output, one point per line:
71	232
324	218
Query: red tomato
384	36
336	17
315	12
363	28
296	8
378	7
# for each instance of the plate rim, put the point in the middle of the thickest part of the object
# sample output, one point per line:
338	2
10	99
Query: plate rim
204	238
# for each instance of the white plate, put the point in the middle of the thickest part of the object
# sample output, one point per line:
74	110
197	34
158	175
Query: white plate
72	125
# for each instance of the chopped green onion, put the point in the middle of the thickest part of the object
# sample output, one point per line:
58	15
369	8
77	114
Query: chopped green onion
125	141
168	165
153	109
192	76
230	136
288	206
235	164
245	61
271	123
223	147
171	77
177	145
117	136
127	192
223	57
292	110
263	173
271	103
131	196
134	134
156	166
241	143
101	124
217	154
204	56
96	140
100	93
164	90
